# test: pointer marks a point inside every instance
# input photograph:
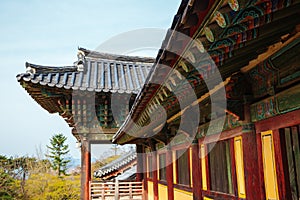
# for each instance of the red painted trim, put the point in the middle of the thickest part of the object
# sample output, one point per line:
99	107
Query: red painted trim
279	165
162	182
260	167
277	122
225	135
183	187
285	165
233	167
176	168
217	195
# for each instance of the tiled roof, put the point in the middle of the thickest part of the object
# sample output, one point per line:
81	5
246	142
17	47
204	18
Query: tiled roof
221	37
129	174
100	73
115	165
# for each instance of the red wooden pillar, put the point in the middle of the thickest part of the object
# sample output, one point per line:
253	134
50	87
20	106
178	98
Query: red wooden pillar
155	178
169	175
281	179
261	185
145	194
196	171
85	169
139	165
251	159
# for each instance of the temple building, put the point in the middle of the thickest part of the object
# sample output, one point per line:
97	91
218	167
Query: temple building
215	116
94	96
247	149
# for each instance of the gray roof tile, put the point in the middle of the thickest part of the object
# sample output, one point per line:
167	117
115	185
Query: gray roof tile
116	164
103	73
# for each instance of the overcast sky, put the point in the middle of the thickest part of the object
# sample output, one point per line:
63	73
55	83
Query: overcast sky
49	33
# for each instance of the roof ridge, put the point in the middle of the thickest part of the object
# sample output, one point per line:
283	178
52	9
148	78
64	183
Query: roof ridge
116	57
49	69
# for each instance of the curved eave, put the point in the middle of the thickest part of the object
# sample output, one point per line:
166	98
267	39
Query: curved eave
48	103
229	55
142	100
28	78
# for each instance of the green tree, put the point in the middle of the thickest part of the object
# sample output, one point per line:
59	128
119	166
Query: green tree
8	185
13	174
57	151
47	186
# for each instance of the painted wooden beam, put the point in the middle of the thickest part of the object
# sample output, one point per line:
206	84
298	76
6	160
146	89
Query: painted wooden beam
277	122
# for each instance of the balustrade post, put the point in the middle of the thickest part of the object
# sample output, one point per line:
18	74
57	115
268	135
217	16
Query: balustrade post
117	189
103	191
130	191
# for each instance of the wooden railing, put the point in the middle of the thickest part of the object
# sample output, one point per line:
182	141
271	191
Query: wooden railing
119	190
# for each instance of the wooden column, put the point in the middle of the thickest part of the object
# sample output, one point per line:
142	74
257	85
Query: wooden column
155	178
281	179
196	171
139	165
169	175
251	158
85	169
145	193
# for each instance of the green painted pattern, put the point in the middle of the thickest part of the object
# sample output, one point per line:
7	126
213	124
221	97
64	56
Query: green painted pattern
281	103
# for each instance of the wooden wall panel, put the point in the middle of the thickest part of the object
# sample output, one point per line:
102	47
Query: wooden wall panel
162	192
182	195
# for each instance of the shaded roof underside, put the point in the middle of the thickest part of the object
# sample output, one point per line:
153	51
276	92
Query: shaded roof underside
249	31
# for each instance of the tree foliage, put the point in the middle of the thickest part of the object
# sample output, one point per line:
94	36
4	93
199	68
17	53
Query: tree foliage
28	178
57	152
8	186
47	186
13	174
